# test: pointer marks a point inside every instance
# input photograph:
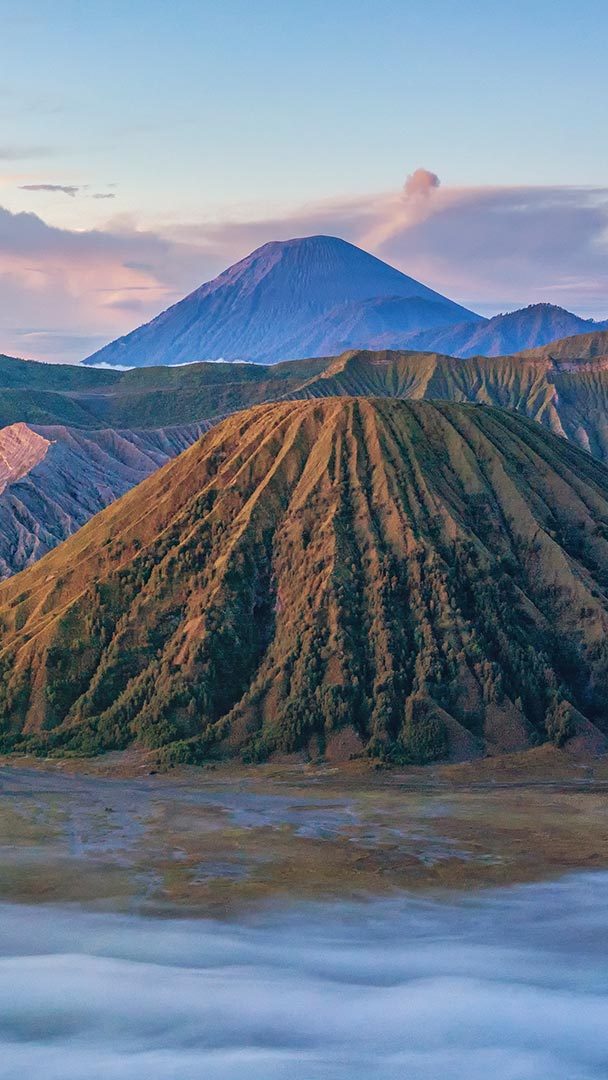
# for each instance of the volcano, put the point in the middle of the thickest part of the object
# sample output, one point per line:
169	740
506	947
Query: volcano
400	579
314	296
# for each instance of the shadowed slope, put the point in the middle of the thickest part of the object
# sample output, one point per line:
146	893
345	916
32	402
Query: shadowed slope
317	296
411	579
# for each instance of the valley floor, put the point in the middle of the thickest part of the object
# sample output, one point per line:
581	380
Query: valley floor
111	833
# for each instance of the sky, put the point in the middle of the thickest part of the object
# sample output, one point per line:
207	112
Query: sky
144	146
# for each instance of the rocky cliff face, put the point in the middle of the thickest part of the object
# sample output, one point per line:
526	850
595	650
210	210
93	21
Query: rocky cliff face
21	449
53	479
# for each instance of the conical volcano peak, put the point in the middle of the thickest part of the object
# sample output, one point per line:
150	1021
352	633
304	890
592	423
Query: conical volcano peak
402	578
319	245
308	296
342	270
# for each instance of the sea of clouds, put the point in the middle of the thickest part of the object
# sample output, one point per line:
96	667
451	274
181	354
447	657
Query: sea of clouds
512	985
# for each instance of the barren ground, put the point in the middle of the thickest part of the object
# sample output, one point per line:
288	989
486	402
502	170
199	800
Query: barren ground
114	834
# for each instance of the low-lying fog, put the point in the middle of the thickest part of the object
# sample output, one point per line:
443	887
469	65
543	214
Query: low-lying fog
511	985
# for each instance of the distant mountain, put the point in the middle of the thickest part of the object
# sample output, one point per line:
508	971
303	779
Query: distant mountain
502	335
53	479
407	580
314	296
319	296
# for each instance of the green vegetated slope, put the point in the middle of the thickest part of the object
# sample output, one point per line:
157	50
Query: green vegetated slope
404	579
152	397
31	375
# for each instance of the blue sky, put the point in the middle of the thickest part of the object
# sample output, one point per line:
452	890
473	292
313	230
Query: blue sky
189	117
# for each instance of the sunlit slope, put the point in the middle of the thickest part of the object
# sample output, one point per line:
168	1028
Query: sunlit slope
401	578
501	381
570	399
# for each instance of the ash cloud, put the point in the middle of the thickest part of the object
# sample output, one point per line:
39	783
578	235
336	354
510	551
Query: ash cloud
420	183
413	205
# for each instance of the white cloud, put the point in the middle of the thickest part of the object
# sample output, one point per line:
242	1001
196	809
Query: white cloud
509	985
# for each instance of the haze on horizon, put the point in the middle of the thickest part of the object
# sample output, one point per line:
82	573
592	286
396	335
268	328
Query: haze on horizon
144	149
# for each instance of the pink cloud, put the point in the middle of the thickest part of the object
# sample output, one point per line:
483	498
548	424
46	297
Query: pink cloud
60	286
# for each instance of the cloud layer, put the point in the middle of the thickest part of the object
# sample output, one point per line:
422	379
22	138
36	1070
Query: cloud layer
65	292
509	985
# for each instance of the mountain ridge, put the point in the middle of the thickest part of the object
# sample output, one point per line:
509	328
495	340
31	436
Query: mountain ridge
563	386
507	333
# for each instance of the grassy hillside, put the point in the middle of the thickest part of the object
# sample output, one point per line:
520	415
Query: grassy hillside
31	375
565	389
149	397
412	579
